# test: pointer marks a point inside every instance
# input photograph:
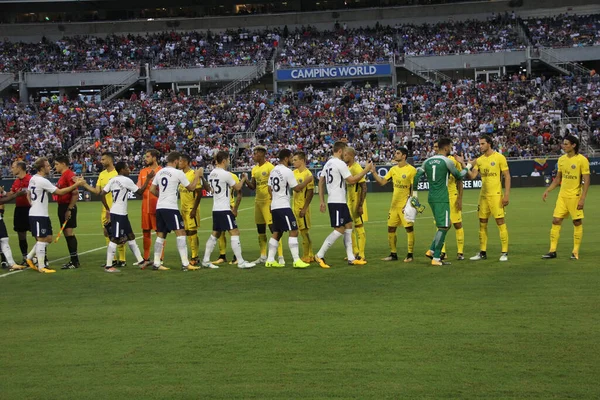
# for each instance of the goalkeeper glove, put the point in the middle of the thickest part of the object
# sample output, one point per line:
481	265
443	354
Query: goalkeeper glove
414	201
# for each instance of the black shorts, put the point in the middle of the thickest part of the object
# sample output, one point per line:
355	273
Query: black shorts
120	226
3	232
168	220
339	214
223	221
284	220
40	226
21	219
62	209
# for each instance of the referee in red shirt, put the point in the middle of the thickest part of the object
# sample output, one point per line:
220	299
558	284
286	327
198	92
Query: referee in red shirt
67	208
21	215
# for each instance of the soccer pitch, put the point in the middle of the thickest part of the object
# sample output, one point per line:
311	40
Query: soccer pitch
526	328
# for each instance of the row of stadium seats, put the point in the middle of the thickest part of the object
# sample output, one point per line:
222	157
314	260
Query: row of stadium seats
300	47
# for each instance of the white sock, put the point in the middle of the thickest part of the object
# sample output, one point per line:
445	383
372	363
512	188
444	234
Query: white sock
32	252
329	241
158	248
110	254
236	246
210	246
136	250
348	244
40	252
7	252
182	249
293	245
273	245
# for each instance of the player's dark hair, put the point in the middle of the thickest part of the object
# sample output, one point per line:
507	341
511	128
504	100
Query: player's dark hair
488	139
173	156
337	146
443	142
120	166
221	156
154	153
109	155
21	165
301	155
40	163
403	150
284	153
62	159
574	141
186	157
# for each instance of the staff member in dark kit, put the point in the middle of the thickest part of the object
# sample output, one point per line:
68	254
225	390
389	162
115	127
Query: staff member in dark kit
21	215
67	208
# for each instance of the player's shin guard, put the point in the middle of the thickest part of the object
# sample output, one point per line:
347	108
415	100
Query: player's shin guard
293	245
307	250
503	237
273	246
147	244
329	241
393	242
7	252
210	246
158	249
40	252
438	240
361	237
135	249
194	244
554	236
348	244
72	246
182	249
222	244
110	254
483	236
577	237
410	238
236	246
262	243
460	240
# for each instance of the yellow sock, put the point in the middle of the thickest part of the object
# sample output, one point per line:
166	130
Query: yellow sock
577	237
362	241
354	241
222	244
194	244
280	249
121	252
503	237
444	248
460	240
392	239
306	244
483	236
262	243
410	237
554	236
107	240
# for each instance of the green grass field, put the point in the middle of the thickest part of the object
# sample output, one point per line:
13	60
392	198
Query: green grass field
515	330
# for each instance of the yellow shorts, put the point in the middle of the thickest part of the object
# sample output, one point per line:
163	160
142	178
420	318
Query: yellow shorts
358	219
304	222
490	206
567	206
455	213
262	213
396	218
190	224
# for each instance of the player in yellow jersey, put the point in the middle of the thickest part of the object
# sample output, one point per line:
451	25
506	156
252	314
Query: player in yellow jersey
573	168
455	193
262	201
402	175
190	201
356	194
301	204
492	167
234	201
108	163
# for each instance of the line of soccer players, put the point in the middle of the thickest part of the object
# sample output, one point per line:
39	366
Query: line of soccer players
161	189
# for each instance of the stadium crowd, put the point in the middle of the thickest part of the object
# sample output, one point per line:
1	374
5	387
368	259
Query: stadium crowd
564	30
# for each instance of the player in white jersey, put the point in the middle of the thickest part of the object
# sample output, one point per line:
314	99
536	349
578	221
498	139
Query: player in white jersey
120	232
6	251
335	174
281	181
165	185
38	194
221	182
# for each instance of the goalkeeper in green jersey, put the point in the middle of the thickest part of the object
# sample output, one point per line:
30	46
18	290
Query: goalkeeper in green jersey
437	169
